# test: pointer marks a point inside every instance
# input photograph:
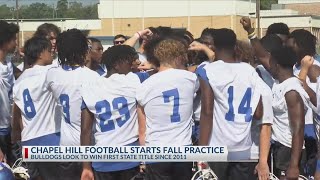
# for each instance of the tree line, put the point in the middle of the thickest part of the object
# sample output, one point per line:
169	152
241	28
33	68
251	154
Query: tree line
63	9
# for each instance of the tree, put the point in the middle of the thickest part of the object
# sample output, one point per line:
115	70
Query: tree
6	12
266	4
36	11
62	7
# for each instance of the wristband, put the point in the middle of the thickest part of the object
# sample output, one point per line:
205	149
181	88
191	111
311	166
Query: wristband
139	34
253	33
252	37
318	166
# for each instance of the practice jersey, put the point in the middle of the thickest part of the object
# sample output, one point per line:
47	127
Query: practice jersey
236	96
167	99
281	130
113	102
40	114
65	83
267	118
197	99
6	84
265	76
102	70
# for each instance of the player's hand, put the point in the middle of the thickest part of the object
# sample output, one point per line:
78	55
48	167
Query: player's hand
87	174
263	171
197	46
246	24
307	62
144	33
292	173
145	66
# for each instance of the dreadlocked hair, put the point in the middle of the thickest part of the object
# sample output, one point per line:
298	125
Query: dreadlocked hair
72	47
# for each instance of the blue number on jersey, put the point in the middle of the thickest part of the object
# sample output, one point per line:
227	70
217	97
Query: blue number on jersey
64	101
120	104
175	117
244	107
29	109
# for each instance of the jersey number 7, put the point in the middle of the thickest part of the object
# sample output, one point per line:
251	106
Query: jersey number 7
244	107
174	93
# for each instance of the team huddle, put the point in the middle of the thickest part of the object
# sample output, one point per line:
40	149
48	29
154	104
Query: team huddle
259	99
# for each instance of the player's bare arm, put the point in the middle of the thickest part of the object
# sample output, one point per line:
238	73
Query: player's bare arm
297	121
16	124
306	67
142	125
262	167
260	52
86	133
207	98
140	34
259	111
197	46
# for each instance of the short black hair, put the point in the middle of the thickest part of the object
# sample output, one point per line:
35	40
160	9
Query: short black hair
271	42
120	36
207	32
7	32
34	47
94	40
305	41
285	57
225	39
45	29
278	28
118	54
72	47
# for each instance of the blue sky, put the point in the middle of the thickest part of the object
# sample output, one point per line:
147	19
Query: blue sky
26	2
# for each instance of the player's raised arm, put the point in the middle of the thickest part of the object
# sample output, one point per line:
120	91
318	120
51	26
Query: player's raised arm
260	52
197	46
140	34
306	64
86	133
206	118
297	121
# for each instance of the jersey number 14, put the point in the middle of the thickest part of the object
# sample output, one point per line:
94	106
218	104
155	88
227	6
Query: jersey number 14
244	107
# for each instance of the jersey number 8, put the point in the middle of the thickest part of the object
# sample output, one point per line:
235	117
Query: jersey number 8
29	108
103	108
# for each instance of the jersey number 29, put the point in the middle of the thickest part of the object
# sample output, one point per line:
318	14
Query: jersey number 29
104	110
244	107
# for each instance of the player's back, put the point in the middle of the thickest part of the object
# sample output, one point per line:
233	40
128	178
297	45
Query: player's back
40	114
65	83
236	97
167	99
113	103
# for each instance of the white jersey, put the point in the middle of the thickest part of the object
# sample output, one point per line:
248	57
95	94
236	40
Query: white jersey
6	84
281	130
113	102
167	99
309	116
197	98
65	83
39	111
236	97
267	118
265	76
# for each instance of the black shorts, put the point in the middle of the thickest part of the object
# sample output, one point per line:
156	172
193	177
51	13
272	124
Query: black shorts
44	170
234	170
127	174
70	170
281	159
6	147
169	171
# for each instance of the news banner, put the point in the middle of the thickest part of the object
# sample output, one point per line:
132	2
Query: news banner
124	153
